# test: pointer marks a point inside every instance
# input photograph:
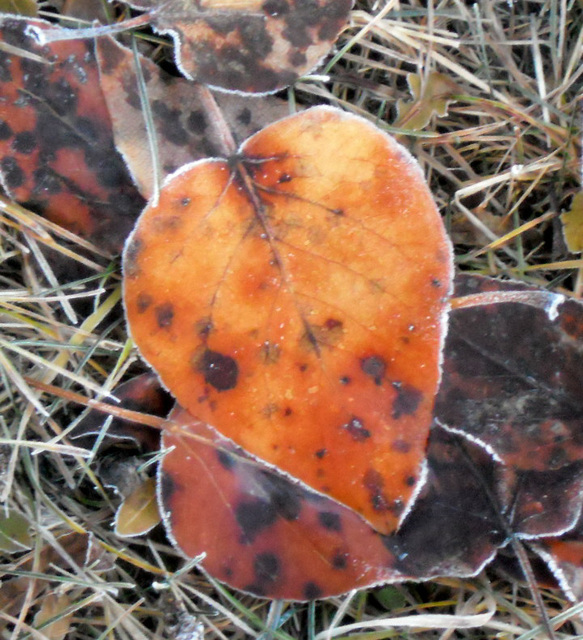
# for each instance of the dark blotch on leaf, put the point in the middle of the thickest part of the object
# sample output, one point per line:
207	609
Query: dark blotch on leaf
167	488
375	367
170	125
196	122
226	460
253	516
244	116
133	250
24	142
330	520
164	315
275	7
220	371
284	497
312	591
266	567
13	174
401	446
374	484
339	560
46	182
5	130
407	400
357	430
297	58
143	302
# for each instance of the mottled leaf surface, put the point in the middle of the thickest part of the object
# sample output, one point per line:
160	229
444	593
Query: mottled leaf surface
294	297
513	380
183	130
251	46
266	534
57	153
513	377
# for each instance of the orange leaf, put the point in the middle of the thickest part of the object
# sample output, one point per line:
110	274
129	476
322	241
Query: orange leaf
295	299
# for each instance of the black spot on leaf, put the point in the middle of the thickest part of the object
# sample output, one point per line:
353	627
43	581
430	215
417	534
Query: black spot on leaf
12	173
357	430
143	302
312	591
167	488
253	516
375	367
164	315
330	520
266	567
339	560
374	484
226	460
407	400
5	130
220	371
24	142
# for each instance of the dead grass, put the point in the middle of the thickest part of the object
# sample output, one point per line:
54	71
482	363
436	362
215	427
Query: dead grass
497	132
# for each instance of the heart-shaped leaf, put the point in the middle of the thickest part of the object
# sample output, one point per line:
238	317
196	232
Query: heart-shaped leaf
294	298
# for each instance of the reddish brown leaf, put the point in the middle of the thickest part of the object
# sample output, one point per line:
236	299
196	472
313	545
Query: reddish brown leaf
183	130
296	301
56	147
266	534
513	377
142	393
253	46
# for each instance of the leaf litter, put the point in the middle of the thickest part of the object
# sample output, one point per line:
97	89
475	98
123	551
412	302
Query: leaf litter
493	198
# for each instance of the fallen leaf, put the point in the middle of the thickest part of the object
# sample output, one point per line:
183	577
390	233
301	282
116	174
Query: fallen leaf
564	556
141	393
513	377
80	548
138	513
431	95
249	46
183	130
573	224
313	275
14	532
57	154
264	533
52	608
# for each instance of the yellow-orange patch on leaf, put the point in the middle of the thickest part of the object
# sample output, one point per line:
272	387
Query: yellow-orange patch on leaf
294	298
